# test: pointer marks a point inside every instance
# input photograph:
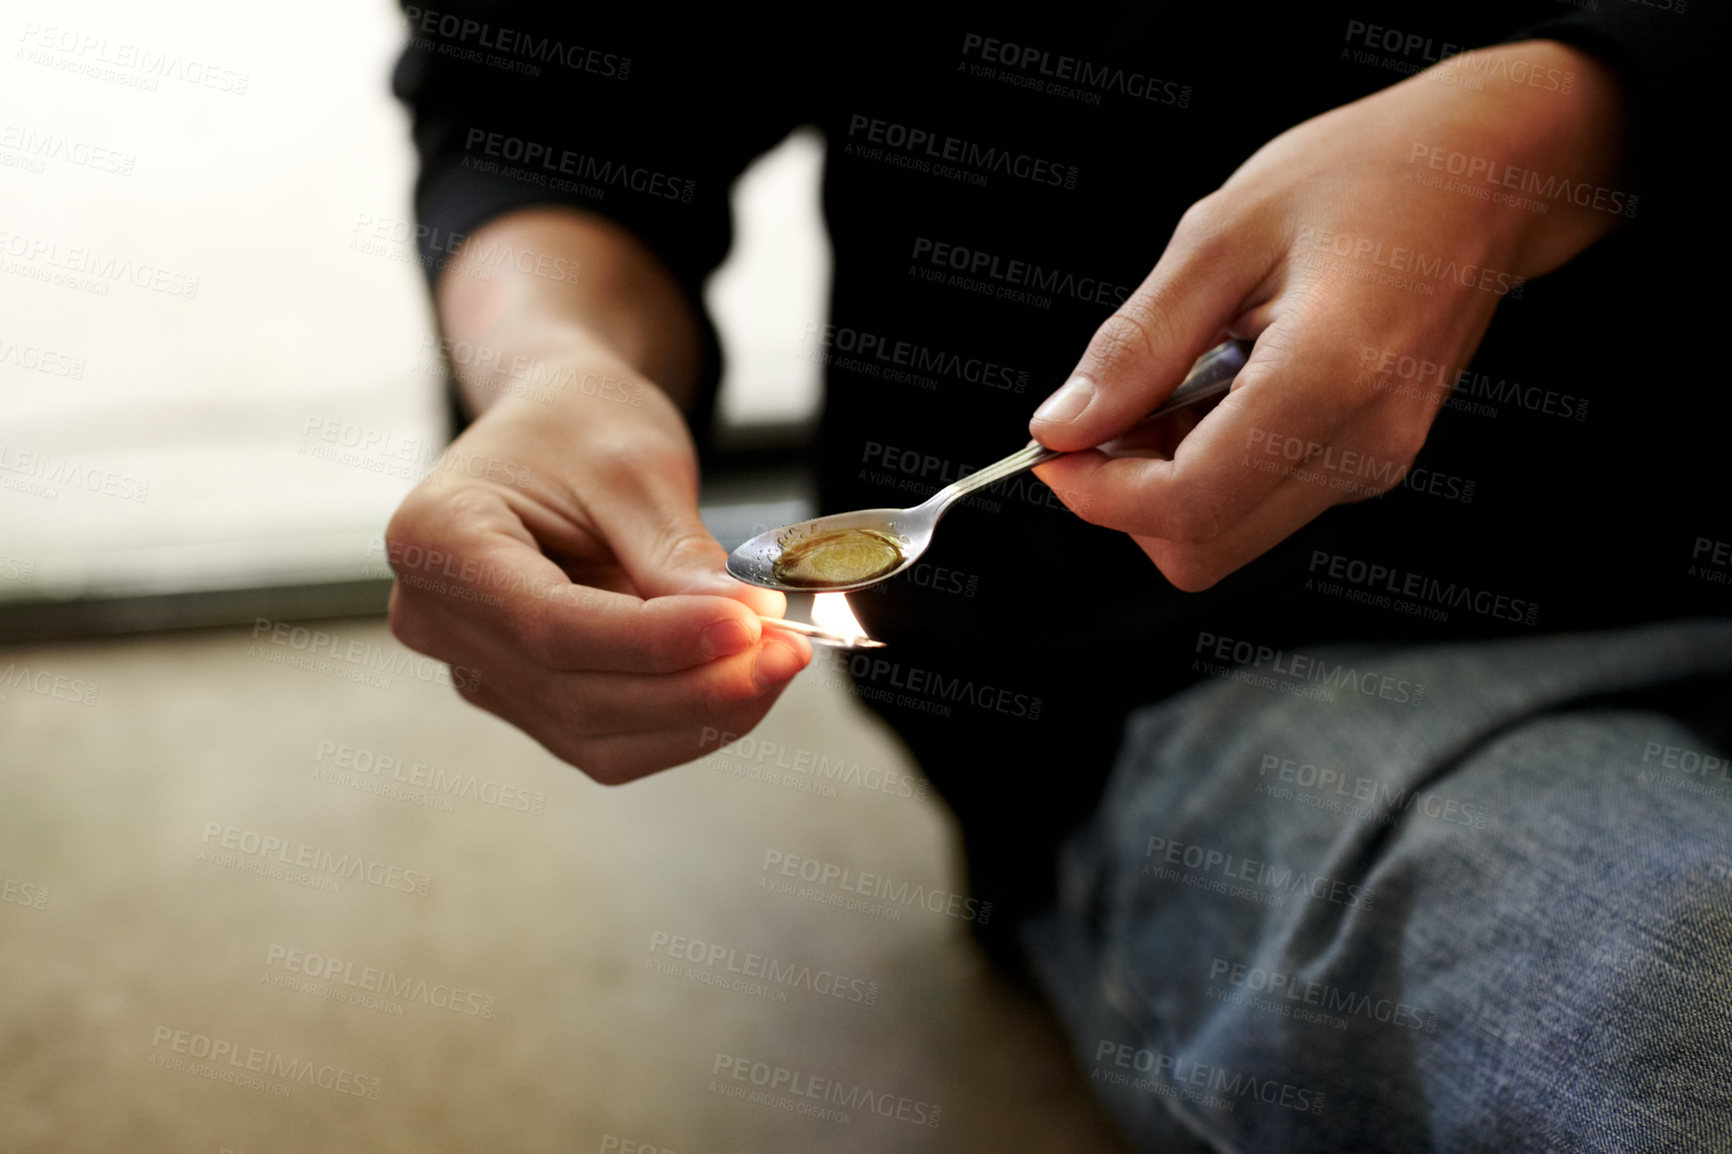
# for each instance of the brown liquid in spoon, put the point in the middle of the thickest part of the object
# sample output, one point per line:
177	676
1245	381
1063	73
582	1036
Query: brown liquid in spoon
839	558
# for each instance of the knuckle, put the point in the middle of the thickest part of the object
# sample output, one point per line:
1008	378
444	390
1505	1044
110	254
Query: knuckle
1206	223
405	523
635	456
1196	519
1402	441
409	624
600	764
711	701
681	544
579	714
1080	502
1263	372
670	652
1189	571
413	530
724	694
1211	231
532	635
1125	335
665	642
728	693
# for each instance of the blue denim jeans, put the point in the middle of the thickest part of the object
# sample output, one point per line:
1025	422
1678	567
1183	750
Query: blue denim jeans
1479	900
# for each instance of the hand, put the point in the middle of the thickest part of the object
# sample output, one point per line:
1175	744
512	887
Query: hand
1381	230
557	549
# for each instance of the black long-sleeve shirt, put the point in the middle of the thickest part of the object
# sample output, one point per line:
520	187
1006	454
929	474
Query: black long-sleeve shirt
995	185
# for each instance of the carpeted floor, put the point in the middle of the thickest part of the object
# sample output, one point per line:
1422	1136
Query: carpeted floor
257	907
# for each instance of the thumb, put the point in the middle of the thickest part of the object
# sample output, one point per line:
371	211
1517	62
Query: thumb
664	547
1141	353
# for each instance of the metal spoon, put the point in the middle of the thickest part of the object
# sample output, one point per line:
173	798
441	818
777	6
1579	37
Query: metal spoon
902	535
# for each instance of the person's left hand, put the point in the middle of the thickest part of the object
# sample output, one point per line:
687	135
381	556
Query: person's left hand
1364	251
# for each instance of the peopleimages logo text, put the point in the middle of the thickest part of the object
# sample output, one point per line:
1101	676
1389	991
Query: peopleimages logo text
1280	879
1304	667
1021	273
364	655
375	980
1431	267
800	1084
1074	70
248	843
460	32
937	146
1398	582
850	880
539	155
270	1063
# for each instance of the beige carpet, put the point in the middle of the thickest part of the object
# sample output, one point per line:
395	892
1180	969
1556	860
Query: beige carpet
212	940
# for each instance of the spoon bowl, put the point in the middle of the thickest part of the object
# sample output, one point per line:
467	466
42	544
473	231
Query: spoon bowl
907	531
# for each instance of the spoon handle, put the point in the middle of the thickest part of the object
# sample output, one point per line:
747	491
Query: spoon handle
1212	375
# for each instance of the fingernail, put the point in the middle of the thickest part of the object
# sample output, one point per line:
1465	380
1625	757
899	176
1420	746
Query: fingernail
1068	403
723	639
777	662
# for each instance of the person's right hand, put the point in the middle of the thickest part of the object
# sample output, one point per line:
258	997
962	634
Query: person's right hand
557	550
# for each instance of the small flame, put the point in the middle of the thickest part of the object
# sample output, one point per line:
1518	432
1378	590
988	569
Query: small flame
830	611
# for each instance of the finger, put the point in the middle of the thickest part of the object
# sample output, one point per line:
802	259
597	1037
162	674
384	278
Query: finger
528	603
650	520
727	694
1159	437
1139	355
609	702
618	759
1275	419
614	758
556	626
1193	568
1303	494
